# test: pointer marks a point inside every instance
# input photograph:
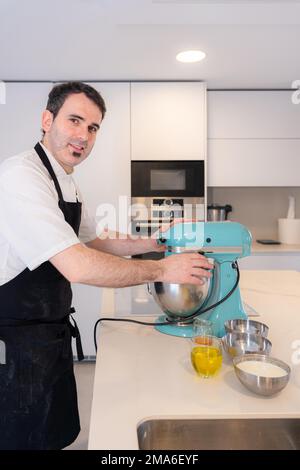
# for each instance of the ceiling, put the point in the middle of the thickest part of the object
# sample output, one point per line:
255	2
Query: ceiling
249	44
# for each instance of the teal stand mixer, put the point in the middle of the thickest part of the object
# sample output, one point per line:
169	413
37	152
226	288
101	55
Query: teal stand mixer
219	298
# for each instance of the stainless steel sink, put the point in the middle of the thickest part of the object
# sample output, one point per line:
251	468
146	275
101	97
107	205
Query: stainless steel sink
209	434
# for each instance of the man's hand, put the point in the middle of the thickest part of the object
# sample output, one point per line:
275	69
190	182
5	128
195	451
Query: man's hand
185	268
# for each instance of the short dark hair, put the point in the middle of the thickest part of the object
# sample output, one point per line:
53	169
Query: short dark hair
60	93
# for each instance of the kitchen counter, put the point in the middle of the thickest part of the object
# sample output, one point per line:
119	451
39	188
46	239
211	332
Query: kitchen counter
141	373
274	249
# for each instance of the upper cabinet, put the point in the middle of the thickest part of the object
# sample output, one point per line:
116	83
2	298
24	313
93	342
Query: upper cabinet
252	115
21	116
168	121
253	138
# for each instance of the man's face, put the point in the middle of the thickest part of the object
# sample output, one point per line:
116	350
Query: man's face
70	137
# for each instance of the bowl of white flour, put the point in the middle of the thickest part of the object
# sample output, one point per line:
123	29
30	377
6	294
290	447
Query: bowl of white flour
261	374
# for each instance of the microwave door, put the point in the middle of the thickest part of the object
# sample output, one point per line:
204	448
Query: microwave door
167	178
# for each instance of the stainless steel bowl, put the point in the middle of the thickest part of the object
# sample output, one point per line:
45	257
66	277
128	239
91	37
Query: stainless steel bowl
257	381
178	301
236	344
246	326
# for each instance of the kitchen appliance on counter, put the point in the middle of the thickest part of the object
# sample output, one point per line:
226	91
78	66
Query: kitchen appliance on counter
217	212
217	300
165	190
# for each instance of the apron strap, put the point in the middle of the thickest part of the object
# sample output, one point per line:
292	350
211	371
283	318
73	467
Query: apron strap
76	334
73	328
42	154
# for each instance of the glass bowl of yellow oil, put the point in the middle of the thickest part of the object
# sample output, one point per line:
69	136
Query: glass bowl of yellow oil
206	355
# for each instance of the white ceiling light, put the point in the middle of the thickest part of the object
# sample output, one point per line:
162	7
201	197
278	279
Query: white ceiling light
190	56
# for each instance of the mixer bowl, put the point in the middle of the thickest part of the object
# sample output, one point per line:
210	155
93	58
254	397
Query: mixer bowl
178	301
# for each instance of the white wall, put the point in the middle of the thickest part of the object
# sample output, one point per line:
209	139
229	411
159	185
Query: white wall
20	116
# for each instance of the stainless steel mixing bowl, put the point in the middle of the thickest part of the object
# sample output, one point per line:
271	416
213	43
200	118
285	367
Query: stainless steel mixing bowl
178	301
246	326
236	344
257	382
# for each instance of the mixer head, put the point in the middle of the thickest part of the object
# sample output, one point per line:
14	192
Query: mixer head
222	240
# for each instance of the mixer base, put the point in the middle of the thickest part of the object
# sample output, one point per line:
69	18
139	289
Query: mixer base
179	329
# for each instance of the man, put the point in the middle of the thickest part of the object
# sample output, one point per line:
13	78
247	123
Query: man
48	241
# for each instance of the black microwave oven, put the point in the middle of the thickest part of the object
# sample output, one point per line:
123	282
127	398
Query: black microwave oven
180	178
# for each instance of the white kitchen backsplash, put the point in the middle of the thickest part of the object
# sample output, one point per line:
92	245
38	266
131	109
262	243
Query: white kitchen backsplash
258	208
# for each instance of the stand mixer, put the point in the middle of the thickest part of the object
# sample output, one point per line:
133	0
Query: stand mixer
218	299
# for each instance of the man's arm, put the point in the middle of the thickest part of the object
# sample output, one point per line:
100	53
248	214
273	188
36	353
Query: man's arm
121	246
85	265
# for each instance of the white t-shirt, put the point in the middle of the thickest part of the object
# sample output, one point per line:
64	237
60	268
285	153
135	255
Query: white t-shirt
32	226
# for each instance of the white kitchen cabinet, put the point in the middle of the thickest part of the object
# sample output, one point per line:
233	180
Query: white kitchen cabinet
253	139
20	116
253	162
252	115
102	178
168	121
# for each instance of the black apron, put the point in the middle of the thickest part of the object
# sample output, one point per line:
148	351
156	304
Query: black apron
38	398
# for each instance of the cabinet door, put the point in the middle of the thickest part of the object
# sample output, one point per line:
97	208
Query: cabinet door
20	116
253	139
253	162
168	121
102	178
252	115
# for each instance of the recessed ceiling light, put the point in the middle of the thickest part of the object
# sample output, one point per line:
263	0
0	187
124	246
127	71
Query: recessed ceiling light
190	56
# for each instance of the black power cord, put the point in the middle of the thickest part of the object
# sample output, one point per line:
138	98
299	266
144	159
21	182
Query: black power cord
185	321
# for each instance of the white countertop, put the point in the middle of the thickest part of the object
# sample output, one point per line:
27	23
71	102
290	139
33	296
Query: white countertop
141	373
